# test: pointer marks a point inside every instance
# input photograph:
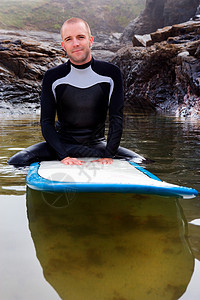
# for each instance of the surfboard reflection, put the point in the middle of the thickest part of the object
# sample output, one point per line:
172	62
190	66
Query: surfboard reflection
111	246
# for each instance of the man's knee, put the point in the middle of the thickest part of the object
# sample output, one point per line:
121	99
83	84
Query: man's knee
22	158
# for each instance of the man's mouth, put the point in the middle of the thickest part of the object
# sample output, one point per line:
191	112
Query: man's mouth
77	50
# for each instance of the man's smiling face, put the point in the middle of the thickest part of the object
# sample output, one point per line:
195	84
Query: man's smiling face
77	42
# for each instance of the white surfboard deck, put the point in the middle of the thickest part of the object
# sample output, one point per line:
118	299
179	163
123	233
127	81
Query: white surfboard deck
121	176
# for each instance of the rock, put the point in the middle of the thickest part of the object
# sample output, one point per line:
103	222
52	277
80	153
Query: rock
179	11
23	62
192	27
182	31
25	57
197	52
159	14
166	75
142	40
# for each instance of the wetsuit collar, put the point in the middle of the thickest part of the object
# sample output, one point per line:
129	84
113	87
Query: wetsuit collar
84	66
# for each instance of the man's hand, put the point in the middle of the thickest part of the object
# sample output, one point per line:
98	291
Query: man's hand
72	161
102	161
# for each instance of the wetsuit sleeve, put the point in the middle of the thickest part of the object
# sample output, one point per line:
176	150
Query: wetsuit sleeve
115	115
48	114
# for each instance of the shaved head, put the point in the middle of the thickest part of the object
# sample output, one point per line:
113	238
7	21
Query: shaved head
77	40
75	21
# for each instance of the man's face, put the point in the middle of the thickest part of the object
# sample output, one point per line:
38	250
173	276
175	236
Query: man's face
77	43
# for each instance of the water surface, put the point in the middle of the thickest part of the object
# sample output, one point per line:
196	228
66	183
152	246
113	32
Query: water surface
102	246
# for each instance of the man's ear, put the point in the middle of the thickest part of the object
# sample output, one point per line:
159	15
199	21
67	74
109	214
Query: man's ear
62	44
91	41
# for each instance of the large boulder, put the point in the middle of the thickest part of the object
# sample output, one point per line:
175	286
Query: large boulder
26	56
166	75
158	14
23	62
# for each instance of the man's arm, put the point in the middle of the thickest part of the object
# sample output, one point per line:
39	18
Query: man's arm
115	115
48	113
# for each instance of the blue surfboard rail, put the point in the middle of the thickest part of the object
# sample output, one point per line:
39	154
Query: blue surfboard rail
146	172
36	182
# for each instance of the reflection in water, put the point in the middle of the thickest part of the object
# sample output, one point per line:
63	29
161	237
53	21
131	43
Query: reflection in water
192	291
121	238
111	246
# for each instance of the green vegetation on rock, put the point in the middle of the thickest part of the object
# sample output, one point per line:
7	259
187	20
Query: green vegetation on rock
102	15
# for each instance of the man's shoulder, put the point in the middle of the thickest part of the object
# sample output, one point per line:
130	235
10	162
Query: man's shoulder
107	69
105	66
57	71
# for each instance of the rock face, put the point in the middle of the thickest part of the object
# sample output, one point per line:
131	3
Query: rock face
158	14
166	75
23	62
162	76
25	56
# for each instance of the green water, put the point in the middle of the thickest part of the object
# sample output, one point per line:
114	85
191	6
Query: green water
102	246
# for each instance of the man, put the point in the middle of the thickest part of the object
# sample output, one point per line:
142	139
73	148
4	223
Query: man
79	92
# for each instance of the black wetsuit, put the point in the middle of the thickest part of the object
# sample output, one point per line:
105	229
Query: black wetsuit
80	96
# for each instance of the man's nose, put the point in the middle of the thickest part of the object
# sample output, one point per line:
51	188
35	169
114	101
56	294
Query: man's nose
75	42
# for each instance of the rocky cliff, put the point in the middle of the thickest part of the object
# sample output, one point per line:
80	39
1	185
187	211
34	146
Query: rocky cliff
158	14
23	61
25	56
164	74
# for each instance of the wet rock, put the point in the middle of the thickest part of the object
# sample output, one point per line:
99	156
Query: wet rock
163	74
26	56
166	75
159	14
142	40
23	61
188	31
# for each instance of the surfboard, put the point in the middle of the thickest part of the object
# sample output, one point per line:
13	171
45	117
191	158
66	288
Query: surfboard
119	177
